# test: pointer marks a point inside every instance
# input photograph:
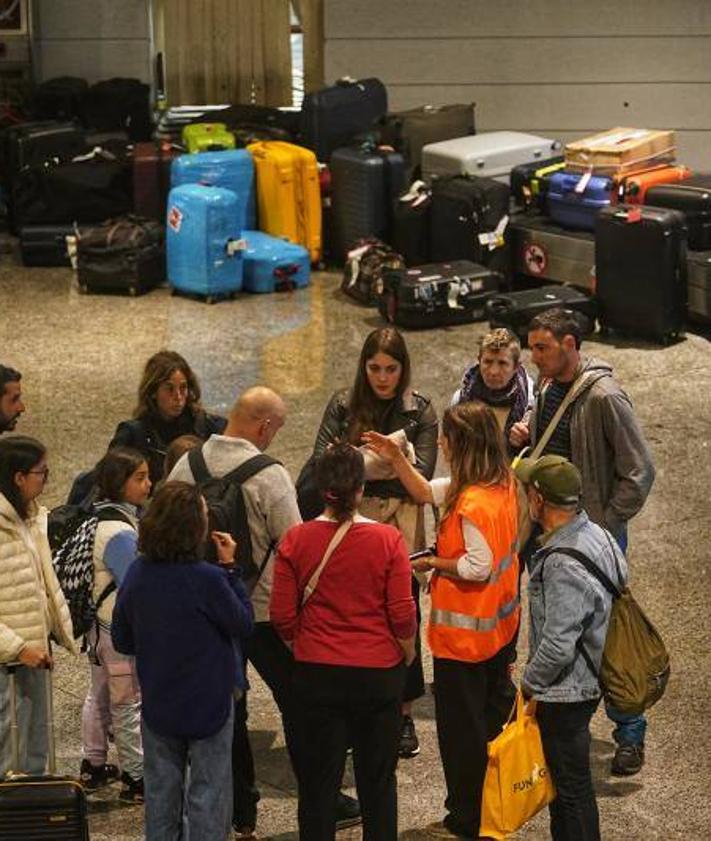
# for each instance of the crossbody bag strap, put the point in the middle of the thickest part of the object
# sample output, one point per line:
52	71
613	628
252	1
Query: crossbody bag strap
312	583
573	392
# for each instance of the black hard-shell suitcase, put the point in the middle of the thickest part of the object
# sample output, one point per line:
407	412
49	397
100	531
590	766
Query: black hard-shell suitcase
30	144
698	269
40	808
332	117
640	267
516	309
411	224
466	214
693	198
437	294
45	245
529	182
364	186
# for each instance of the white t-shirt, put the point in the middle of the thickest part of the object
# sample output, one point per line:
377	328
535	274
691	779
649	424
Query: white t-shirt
475	563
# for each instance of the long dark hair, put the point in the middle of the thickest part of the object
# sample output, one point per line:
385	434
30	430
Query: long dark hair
173	529
340	473
18	454
159	368
364	402
114	469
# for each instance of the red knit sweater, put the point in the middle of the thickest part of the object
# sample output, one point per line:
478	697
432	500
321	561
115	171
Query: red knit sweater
362	604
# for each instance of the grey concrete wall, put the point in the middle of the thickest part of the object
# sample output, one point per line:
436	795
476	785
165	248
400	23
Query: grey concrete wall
96	39
562	68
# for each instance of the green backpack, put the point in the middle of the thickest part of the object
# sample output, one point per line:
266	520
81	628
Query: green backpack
635	664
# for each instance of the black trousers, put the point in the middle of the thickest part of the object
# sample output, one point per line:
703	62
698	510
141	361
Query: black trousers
468	707
565	733
415	679
342	706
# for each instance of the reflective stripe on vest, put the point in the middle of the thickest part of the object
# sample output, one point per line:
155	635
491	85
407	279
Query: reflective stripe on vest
450	619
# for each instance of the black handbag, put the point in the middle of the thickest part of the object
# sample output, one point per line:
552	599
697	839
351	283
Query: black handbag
308	496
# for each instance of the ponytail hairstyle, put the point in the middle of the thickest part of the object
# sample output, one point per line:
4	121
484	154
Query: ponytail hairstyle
340	473
477	450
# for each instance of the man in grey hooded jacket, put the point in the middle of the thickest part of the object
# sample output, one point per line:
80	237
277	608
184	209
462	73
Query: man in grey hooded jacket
600	435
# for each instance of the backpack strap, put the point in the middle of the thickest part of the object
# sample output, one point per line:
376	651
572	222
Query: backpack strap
249	468
198	466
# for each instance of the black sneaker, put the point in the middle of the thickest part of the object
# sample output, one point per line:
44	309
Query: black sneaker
628	760
347	811
131	790
93	777
409	743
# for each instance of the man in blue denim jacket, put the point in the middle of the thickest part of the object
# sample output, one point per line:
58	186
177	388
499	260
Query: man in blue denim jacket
568	608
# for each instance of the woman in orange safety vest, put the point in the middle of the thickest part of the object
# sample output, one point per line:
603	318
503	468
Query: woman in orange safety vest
475	604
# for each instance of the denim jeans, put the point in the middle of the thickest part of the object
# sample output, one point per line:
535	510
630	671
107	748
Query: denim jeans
31	720
192	804
565	733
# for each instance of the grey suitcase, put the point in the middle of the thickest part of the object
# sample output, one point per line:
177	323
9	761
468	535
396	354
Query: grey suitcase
546	251
698	275
492	154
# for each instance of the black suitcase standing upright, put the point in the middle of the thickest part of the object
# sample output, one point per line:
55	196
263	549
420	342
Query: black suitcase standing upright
437	294
411	224
698	268
41	808
45	245
364	187
515	310
693	198
640	269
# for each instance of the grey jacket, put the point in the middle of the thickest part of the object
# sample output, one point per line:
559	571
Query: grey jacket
566	604
608	448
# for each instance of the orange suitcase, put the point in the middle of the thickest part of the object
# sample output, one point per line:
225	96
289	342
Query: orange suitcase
633	188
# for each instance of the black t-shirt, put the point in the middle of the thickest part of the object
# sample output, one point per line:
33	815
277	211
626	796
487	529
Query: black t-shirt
559	442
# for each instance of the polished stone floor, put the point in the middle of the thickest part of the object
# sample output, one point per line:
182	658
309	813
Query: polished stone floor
81	358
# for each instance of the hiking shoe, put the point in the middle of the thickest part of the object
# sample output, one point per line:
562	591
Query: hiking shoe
409	743
131	790
93	777
628	760
347	811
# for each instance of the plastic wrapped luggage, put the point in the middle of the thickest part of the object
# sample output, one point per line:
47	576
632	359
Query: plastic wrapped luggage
334	116
365	184
44	807
640	264
151	178
529	182
491	155
45	245
411	224
121	255
231	169
515	310
272	264
574	199
698	269
545	251
437	294
288	193
619	151
632	189
207	137
203	241
693	198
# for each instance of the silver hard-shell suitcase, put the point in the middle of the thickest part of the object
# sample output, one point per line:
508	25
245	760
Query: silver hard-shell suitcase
491	155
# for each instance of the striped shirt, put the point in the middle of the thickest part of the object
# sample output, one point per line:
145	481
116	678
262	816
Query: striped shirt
559	442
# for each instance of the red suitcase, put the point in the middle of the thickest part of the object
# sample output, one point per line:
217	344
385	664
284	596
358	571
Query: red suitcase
151	178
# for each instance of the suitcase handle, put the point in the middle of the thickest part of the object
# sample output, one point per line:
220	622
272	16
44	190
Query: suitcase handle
11	669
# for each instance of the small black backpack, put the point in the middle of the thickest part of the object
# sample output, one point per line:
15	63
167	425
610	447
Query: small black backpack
227	511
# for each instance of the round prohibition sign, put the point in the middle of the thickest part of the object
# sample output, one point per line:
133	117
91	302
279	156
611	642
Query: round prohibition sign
535	259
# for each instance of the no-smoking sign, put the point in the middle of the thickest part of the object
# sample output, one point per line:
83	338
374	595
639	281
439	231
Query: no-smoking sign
535	259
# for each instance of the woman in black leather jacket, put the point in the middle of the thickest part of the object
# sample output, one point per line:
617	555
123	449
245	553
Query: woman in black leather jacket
381	399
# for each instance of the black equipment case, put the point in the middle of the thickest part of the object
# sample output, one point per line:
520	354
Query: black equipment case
411	224
437	294
640	264
41	808
698	269
45	245
693	198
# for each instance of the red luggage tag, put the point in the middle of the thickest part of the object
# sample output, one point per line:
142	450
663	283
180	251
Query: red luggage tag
634	214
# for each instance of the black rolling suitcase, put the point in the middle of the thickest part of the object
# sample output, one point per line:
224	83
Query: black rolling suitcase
364	186
515	310
45	245
698	268
334	116
40	808
411	224
437	294
640	268
693	198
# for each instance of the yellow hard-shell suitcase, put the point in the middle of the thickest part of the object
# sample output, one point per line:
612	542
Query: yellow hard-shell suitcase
288	193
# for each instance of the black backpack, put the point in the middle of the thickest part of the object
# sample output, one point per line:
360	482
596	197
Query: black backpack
227	511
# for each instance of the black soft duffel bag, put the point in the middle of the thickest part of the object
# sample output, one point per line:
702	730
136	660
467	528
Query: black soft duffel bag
126	254
120	104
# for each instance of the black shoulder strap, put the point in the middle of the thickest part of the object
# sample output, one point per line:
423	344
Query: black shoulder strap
108	514
198	466
589	565
249	468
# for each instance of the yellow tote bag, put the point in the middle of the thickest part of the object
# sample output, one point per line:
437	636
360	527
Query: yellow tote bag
517	783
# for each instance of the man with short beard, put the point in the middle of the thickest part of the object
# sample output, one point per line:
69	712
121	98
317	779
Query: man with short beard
11	405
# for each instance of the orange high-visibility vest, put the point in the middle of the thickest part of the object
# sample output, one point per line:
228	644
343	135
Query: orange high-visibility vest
473	620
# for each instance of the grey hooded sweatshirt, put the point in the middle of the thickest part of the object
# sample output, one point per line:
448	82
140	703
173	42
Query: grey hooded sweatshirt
607	446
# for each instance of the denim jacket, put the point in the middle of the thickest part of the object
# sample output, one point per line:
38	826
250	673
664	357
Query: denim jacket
566	604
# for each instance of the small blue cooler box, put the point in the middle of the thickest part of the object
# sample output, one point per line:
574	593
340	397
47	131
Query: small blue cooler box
271	264
573	209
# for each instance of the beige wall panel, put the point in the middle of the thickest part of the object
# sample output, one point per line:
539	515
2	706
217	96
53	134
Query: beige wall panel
95	60
501	60
484	18
92	19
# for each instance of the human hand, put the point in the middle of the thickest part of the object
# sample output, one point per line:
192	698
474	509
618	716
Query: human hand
423	564
519	434
35	657
383	446
225	546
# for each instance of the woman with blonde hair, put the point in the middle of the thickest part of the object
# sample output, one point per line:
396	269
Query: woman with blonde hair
475	603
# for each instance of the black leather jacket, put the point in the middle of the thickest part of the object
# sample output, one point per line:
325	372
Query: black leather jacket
414	413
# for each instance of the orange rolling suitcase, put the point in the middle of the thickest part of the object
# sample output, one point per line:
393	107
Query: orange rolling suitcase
288	193
632	189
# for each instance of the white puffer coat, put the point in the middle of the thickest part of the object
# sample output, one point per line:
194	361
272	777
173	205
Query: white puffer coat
32	604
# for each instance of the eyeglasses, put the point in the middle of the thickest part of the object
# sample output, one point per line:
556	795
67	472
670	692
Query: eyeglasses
44	473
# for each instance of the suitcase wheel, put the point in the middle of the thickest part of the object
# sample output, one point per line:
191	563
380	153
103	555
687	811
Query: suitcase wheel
83	289
132	291
210	299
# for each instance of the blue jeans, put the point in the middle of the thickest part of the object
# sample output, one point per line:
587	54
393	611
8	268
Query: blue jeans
31	719
188	804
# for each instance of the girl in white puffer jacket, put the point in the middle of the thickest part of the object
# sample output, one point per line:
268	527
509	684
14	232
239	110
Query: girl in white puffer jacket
32	605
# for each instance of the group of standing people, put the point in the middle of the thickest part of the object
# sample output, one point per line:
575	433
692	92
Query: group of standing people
331	619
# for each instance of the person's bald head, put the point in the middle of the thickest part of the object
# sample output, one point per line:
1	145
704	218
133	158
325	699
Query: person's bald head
257	415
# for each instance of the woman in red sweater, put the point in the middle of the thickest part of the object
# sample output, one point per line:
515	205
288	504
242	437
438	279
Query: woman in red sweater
352	632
